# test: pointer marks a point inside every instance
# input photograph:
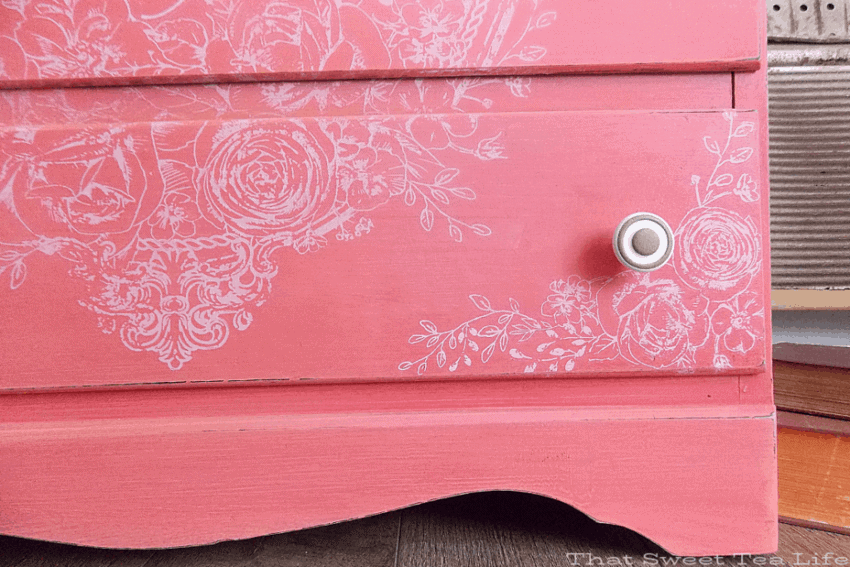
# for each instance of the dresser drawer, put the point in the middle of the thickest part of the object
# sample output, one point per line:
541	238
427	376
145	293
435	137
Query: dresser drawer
99	42
354	240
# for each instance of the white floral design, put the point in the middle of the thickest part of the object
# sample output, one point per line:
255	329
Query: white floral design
702	313
103	39
267	178
175	217
570	303
86	184
444	33
719	250
738	323
172	225
656	324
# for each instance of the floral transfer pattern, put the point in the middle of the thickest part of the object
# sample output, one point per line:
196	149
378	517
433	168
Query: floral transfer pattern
177	227
704	310
100	39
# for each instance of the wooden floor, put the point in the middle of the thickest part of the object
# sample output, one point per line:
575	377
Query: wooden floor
494	529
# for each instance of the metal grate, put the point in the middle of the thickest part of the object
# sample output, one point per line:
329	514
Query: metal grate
810	176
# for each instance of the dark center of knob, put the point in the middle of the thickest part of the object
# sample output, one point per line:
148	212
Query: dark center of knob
646	242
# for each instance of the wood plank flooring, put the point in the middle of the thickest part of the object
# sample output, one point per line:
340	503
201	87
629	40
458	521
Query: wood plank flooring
492	529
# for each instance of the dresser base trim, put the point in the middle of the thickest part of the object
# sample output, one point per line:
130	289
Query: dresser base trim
697	486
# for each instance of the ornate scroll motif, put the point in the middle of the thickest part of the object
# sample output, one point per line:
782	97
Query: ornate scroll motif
703	308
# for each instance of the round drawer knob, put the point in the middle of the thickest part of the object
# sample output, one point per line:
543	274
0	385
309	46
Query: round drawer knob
643	242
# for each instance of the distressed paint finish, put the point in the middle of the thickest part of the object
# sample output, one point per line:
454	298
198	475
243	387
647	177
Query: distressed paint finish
57	42
160	213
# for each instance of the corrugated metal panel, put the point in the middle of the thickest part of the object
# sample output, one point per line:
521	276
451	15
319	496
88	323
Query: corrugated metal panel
810	176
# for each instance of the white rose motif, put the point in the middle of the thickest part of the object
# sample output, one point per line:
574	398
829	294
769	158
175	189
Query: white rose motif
262	180
718	251
656	324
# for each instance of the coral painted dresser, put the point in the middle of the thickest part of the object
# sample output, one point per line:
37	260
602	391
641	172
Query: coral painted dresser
272	265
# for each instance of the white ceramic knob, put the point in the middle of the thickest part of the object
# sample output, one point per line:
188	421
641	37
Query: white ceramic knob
643	242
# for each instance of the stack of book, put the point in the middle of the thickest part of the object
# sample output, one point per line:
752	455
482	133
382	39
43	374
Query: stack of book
809	102
813	445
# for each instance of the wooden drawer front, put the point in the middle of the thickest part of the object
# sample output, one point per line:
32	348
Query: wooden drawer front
88	42
385	246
